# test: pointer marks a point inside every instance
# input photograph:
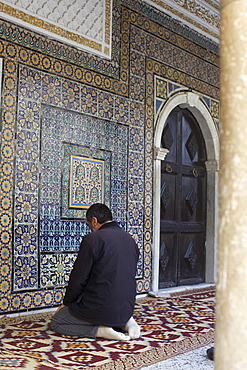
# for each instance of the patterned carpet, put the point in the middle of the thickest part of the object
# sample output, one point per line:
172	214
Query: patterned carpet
169	327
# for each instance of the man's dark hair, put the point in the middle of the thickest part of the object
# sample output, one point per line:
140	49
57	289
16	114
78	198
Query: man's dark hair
100	211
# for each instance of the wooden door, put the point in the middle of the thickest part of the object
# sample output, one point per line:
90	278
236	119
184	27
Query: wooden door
183	202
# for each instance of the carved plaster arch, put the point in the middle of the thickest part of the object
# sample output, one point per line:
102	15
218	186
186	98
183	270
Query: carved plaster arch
192	102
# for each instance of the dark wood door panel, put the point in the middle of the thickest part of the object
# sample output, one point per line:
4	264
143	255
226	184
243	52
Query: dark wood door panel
168	260
168	195
191	258
192	199
169	137
182	201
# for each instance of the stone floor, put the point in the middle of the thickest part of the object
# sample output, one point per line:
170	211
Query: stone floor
180	289
193	360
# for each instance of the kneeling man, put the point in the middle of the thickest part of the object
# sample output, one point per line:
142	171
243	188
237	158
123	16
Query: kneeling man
100	296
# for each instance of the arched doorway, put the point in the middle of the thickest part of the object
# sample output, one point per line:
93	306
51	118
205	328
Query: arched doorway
191	102
182	202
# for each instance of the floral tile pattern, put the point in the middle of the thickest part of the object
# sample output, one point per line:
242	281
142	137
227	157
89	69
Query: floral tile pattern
55	269
58	102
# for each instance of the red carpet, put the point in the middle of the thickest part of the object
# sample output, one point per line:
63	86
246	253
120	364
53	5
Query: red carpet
169	327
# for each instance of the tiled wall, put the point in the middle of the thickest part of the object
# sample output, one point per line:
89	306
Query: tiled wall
58	102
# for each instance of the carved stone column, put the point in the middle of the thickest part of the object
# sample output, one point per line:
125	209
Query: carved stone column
212	167
231	309
159	155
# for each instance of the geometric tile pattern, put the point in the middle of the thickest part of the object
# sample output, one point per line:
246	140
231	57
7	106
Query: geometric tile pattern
164	89
206	18
59	102
55	269
60	131
57	129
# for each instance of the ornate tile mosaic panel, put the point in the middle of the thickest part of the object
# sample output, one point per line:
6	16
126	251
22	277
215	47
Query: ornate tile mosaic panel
59	102
86	182
70	150
59	144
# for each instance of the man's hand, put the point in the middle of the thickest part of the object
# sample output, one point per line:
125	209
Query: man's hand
60	307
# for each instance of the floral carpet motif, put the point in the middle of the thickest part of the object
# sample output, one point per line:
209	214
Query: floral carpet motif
169	327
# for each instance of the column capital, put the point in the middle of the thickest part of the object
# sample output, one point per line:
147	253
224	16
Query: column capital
212	166
160	153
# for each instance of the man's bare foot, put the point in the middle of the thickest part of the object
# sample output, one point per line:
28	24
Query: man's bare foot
132	328
109	333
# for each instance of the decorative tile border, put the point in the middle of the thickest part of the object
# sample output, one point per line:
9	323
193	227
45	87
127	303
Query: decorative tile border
162	19
202	16
164	88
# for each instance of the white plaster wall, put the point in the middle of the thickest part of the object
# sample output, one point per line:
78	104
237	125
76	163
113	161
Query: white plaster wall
85	24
